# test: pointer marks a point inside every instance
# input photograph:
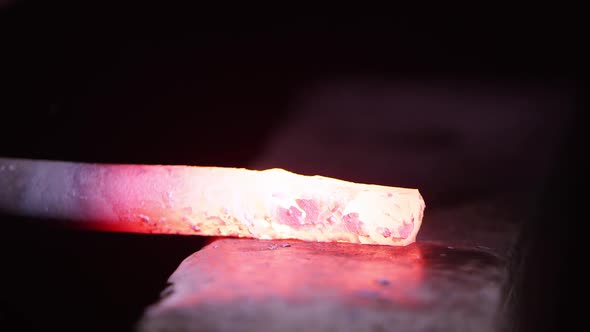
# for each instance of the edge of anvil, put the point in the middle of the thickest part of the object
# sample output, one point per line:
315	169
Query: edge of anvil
262	285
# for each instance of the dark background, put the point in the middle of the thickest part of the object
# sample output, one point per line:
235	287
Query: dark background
200	86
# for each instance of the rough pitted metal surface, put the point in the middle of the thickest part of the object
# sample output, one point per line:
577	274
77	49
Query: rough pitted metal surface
256	285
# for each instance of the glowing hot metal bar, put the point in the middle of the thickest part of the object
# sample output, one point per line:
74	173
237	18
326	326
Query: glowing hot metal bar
217	201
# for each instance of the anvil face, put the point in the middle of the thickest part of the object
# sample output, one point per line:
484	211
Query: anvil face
242	284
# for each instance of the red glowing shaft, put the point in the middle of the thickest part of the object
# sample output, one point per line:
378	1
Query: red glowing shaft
270	204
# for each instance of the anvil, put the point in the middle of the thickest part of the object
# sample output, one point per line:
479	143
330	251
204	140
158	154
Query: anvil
257	285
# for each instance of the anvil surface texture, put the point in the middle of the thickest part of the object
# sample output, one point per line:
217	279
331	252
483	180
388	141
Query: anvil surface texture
257	285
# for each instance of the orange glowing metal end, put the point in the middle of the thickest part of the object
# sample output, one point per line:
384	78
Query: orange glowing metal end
216	201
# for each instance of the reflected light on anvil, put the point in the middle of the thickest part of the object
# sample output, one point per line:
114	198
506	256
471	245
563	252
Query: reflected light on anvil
300	272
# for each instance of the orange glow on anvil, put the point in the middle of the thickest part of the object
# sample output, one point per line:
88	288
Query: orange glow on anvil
229	271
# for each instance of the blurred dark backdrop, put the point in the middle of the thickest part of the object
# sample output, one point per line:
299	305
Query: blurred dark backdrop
192	85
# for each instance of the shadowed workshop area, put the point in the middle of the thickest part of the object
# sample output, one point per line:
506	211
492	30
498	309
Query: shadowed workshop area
479	116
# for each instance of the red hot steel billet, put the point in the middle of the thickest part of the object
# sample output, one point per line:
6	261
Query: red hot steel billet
211	201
